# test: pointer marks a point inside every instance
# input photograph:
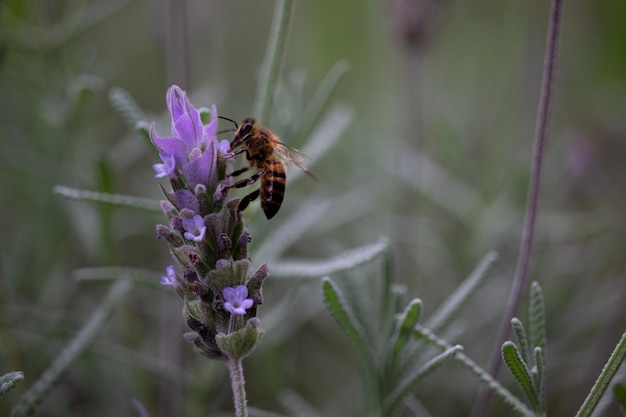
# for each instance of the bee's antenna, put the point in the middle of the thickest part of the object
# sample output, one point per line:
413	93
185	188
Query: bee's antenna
230	120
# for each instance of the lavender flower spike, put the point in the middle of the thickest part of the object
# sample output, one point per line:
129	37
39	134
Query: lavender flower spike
235	301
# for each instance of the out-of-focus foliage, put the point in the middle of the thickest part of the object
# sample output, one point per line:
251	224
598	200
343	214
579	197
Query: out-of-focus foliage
436	159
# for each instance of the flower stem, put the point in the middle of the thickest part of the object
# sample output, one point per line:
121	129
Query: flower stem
273	58
237	381
520	281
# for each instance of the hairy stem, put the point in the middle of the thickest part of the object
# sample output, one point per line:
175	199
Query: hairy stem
273	58
237	381
520	281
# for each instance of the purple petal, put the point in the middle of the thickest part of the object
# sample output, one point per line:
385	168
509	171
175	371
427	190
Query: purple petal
202	170
229	293
186	199
241	292
186	122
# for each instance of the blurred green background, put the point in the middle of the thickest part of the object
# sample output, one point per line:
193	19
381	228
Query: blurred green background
443	96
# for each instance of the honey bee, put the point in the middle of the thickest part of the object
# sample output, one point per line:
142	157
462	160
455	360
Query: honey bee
267	154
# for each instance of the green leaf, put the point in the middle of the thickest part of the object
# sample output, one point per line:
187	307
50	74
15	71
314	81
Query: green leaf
522	340
414	376
343	315
537	317
518	368
444	314
344	261
619	391
604	379
114	199
9	381
409	318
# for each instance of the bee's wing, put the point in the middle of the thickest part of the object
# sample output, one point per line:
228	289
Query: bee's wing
293	155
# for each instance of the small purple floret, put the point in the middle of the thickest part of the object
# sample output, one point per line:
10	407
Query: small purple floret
194	228
168	166
235	301
170	278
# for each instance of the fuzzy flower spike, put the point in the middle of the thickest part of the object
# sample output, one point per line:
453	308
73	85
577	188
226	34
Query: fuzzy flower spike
206	236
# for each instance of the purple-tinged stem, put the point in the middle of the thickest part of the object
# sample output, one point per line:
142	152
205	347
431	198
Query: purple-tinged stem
520	281
177	43
237	381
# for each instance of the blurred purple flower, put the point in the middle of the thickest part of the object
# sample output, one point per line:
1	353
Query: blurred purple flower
235	301
194	228
170	277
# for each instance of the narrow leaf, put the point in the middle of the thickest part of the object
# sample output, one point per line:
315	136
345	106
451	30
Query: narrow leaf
341	312
114	199
414	376
130	111
9	381
518	368
522	340
537	317
341	262
500	391
444	314
30	401
539	381
619	391
409	318
604	379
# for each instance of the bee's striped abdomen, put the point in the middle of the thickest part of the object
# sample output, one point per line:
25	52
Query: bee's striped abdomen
273	187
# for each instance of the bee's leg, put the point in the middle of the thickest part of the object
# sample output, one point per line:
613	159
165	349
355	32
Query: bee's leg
243	203
234	154
247	181
238	172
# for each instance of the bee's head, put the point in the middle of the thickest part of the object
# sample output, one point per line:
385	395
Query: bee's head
243	132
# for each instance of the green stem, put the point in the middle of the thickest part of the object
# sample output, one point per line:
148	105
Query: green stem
238	382
273	58
603	381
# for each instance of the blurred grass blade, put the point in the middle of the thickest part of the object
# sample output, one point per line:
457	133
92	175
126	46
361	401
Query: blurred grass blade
604	379
500	391
519	369
10	380
257	412
343	261
297	405
409	318
345	318
30	401
540	373
619	391
325	135
537	317
445	313
107	198
292	230
130	111
109	273
522	340
320	99
414	376
272	60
